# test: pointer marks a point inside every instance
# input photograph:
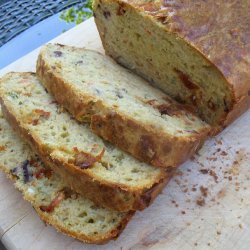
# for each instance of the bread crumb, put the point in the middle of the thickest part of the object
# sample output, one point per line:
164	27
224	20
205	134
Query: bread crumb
200	202
221	193
219	142
204	171
214	175
204	191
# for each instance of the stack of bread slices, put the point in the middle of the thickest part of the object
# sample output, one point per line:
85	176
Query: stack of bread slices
98	143
88	142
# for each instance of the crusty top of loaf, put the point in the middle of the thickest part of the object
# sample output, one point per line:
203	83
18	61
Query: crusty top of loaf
220	30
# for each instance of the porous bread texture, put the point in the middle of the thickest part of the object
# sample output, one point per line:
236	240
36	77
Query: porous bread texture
75	215
120	106
115	179
141	36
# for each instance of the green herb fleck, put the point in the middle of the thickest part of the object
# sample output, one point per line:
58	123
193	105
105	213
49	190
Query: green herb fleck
13	95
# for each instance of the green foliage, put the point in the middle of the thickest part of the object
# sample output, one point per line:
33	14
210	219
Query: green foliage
78	14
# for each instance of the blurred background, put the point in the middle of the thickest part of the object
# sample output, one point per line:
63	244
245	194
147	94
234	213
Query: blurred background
27	24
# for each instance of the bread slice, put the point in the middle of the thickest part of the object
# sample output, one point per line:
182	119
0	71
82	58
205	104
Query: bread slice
196	51
104	174
121	107
73	215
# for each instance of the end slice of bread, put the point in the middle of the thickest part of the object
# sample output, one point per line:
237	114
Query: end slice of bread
71	214
191	53
121	107
89	165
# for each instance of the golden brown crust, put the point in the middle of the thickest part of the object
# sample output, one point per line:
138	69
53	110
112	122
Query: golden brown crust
114	197
148	197
73	101
113	234
146	144
218	30
110	195
142	141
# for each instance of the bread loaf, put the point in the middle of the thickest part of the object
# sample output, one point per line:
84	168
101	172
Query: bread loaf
120	106
89	165
67	211
196	51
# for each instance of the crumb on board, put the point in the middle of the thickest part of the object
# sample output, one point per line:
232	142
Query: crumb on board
204	171
200	201
204	191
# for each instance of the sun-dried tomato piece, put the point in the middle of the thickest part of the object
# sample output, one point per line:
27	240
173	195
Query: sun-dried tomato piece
164	108
43	173
55	202
186	80
121	9
42	113
86	160
34	163
38	113
35	122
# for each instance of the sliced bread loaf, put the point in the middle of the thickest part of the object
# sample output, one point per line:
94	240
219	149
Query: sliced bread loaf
196	51
89	165
67	211
121	107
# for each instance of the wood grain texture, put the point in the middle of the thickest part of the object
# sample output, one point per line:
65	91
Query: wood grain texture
175	220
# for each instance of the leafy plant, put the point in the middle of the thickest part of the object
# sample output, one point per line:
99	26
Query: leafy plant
79	13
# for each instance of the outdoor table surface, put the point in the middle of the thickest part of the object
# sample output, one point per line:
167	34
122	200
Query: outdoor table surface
176	220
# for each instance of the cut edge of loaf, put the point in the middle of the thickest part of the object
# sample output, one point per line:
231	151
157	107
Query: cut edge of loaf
9	146
118	197
46	217
168	150
106	194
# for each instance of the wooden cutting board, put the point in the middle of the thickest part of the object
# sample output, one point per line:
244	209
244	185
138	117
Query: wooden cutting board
205	206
